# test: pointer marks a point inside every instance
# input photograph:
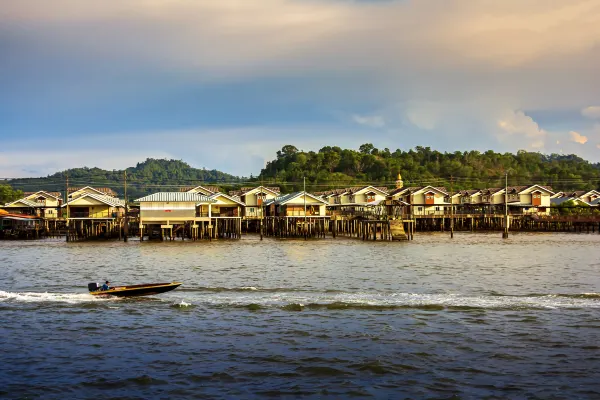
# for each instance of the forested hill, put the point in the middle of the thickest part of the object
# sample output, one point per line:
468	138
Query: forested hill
335	167
150	176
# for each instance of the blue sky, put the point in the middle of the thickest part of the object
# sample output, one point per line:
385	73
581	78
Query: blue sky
225	84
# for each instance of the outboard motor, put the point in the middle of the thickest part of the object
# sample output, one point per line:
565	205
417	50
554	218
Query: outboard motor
92	287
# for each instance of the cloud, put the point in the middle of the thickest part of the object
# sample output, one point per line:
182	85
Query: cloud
372	121
457	69
578	138
424	115
592	112
402	39
36	163
518	125
241	152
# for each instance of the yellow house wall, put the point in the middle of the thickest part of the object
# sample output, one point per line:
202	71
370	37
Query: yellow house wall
526	198
251	199
100	211
49	202
362	197
85	201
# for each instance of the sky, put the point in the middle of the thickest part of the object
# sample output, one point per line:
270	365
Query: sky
225	84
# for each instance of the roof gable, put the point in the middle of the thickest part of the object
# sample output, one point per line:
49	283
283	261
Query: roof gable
432	189
591	193
85	189
43	194
267	190
366	189
532	188
205	190
288	198
23	203
108	200
230	198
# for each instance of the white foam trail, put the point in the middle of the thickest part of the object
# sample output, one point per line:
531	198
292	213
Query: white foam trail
399	299
277	299
34	297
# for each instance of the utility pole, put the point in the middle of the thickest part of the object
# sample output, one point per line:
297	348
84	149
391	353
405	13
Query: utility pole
262	205
126	220
67	204
505	233
451	208
305	227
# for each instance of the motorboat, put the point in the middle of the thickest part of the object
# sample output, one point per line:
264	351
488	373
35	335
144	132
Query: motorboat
145	289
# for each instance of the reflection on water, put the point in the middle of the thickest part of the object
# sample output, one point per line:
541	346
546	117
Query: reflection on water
475	316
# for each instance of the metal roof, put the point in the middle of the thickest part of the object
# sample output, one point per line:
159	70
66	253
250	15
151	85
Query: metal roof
187	197
111	201
287	197
232	198
27	202
56	195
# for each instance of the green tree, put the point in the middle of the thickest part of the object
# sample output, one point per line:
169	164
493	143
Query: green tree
8	194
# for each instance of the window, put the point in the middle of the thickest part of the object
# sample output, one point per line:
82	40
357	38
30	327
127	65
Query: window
251	209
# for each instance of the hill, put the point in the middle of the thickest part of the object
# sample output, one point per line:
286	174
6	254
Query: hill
146	177
335	167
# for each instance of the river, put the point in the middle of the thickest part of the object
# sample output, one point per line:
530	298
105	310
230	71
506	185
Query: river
470	317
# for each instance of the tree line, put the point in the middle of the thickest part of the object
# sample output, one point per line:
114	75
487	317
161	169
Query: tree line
334	167
147	177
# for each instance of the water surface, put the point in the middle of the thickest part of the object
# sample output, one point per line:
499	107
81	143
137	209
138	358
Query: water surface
472	317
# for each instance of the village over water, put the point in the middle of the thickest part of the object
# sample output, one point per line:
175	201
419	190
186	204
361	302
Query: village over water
366	212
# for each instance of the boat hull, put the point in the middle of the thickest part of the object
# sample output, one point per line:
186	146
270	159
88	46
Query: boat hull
137	290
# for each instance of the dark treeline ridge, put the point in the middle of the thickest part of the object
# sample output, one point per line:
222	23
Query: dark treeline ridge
332	167
152	175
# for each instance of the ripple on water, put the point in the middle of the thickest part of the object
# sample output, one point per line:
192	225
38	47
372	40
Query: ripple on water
471	317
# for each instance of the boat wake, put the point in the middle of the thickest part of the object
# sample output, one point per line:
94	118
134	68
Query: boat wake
45	297
297	300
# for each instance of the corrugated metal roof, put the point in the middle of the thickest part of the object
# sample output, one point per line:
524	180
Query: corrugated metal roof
210	189
28	203
102	190
56	195
112	201
188	197
232	198
287	197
